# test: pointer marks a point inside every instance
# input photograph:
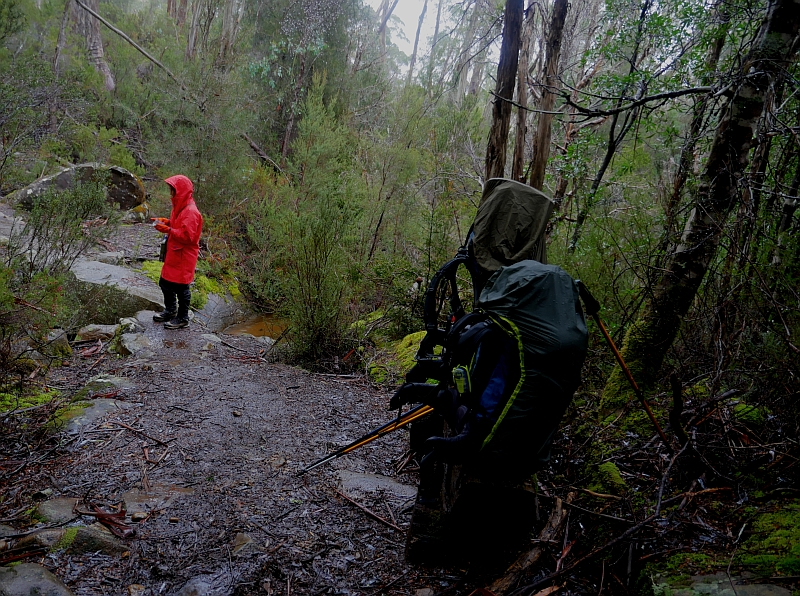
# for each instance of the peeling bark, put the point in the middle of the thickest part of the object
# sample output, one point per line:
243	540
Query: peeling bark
541	142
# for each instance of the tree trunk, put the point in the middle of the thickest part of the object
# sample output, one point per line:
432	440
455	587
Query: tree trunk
434	43
518	161
386	13
62	37
541	142
231	18
647	340
182	8
698	115
504	91
191	41
464	58
416	43
90	28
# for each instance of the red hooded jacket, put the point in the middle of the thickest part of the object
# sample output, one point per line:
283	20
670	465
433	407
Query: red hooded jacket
185	225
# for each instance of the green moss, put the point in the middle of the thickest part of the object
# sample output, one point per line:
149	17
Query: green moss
67	539
608	479
152	269
92	387
407	348
11	401
360	326
773	547
207	285
755	415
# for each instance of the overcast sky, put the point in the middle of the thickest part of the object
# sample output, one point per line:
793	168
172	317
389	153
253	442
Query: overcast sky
408	12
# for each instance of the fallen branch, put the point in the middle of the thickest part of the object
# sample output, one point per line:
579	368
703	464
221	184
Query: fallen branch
370	513
260	152
563	571
550	532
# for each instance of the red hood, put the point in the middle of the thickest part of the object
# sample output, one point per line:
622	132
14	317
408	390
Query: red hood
183	192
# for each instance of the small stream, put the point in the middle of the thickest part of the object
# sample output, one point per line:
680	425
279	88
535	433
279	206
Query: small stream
233	318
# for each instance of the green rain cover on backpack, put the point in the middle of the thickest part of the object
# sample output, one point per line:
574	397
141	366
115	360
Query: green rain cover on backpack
539	306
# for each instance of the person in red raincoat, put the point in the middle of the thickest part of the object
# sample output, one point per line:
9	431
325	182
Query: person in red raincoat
183	230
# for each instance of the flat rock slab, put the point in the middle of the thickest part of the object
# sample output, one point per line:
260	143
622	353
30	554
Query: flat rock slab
85	417
160	496
137	292
28	578
134	343
353	483
719	584
57	511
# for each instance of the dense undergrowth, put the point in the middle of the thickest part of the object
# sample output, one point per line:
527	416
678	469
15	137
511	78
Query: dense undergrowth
369	184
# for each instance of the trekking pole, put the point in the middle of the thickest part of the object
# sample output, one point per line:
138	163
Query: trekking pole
399	422
592	309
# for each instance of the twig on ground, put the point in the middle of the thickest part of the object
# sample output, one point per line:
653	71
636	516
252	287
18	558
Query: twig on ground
139	432
370	513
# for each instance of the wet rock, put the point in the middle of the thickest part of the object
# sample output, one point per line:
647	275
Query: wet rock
123	187
130	290
110	258
718	584
424	592
132	343
28	578
219	313
57	511
95	332
96	538
50	538
10	225
353	483
210	337
218	584
139	214
6	531
58	344
160	496
139	516
130	325
84	415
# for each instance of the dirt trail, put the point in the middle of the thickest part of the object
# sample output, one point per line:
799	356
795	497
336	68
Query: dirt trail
236	430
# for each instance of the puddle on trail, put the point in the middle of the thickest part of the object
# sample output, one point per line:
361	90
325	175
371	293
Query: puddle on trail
179	345
258	326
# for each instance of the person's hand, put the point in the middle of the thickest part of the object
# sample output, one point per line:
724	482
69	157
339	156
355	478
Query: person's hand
163	228
456	449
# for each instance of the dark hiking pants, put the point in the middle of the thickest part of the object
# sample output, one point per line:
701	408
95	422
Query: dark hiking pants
176	292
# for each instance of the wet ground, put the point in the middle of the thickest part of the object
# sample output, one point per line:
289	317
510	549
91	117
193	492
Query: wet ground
209	441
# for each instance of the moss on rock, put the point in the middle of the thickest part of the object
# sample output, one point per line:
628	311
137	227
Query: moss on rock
608	479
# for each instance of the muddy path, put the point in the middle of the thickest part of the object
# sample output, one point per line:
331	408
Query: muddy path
207	437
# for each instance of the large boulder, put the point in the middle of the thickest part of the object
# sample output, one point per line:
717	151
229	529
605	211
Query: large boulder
28	578
131	290
124	187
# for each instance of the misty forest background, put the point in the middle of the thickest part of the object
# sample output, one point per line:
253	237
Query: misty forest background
335	172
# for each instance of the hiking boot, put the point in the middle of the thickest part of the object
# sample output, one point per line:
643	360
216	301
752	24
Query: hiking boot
176	323
166	315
